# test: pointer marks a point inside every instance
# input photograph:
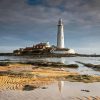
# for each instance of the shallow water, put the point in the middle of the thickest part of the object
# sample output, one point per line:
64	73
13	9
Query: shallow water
67	60
65	89
82	69
61	90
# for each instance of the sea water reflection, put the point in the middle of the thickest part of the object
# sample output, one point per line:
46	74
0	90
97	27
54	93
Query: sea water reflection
82	69
57	91
73	89
66	60
60	86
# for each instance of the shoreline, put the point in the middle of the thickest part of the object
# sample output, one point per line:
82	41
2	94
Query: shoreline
51	55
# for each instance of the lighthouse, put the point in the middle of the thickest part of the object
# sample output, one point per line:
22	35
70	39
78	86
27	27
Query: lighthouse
60	35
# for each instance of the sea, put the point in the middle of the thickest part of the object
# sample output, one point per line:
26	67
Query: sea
66	60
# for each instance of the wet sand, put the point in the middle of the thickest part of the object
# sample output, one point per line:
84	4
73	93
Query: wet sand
16	76
24	82
68	91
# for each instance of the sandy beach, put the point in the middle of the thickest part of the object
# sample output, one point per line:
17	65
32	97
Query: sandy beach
69	91
25	82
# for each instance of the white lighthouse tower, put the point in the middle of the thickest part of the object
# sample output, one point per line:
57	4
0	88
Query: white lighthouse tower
60	35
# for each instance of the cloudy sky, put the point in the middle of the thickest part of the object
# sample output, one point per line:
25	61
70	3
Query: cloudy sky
26	22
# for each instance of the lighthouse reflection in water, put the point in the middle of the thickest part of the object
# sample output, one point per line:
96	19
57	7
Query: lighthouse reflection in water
60	86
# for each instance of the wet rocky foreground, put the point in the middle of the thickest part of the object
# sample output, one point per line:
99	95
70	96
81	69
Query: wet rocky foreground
95	67
22	76
40	80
